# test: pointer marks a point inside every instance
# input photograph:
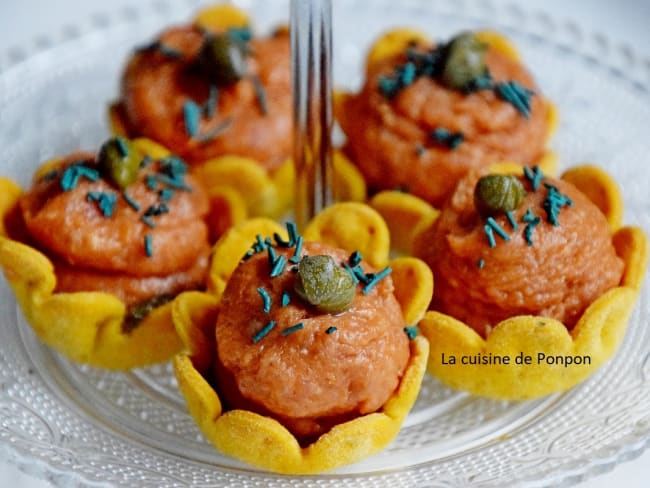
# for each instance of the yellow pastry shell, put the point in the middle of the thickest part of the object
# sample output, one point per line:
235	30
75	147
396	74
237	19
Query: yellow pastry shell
596	336
84	326
262	441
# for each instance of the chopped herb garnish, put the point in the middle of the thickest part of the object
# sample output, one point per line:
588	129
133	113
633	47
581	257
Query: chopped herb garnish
173	166
271	253
249	254
259	245
498	229
148	245
407	74
192	117
146	161
355	258
293	328
458	64
295	259
511	220
447	138
490	235
483	82
156	210
210	105
554	202
151	182
266	299
352	272
217	131
331	330
105	201
260	94
535	176
166	194
480	263
147	220
420	149
528	234
376	278
281	242
175	183
170	52
164	49
516	95
73	174
130	201
278	266
286	298
240	34
293	233
411	331
122	147
263	332
532	221
529	216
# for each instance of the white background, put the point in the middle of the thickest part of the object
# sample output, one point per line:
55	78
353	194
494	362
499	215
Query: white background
27	24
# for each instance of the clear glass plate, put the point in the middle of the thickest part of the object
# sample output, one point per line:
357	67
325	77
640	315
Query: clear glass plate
77	425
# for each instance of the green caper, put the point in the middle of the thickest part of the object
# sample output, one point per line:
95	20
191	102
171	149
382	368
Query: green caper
465	61
223	59
119	161
325	285
496	194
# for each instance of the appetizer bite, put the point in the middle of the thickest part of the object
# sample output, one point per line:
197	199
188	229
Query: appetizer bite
211	88
427	114
99	245
303	356
529	265
220	97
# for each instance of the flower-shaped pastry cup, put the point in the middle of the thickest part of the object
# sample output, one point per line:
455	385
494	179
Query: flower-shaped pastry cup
87	327
559	358
260	440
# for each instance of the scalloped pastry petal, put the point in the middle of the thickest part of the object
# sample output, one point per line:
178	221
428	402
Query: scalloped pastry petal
264	442
227	209
9	194
352	226
601	189
406	216
596	336
413	282
245	176
283	179
347	180
218	18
